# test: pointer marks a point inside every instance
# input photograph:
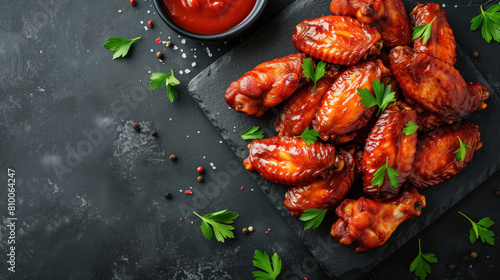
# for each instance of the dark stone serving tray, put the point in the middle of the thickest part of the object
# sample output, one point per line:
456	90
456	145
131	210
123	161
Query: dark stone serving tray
274	40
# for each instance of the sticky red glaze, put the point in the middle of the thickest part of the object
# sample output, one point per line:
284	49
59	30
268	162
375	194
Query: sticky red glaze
441	44
434	85
427	121
323	193
435	160
341	111
208	17
365	10
365	224
266	85
387	141
289	160
336	39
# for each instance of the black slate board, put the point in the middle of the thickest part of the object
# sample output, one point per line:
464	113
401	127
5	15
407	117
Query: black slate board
274	40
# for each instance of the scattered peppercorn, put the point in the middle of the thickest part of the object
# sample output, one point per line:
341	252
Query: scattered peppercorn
452	266
173	157
475	54
497	193
154	133
158	40
159	55
473	255
132	2
465	258
245	230
200	178
168	43
168	195
199	169
136	126
188	192
150	23
250	228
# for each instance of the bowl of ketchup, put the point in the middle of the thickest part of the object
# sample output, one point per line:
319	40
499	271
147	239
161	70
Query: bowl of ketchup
210	20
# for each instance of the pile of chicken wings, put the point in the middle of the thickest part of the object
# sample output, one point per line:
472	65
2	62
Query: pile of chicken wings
363	41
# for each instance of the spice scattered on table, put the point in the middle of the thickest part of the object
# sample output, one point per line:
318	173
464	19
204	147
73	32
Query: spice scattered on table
150	23
465	258
473	255
158	40
188	192
497	193
168	43
452	266
154	133
241	188
159	55
136	126
245	230
173	157
475	54
167	195
200	179
199	169
250	228
132	2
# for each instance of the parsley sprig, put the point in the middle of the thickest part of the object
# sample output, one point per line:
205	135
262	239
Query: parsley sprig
410	128
252	132
460	153
120	46
313	217
158	79
420	266
261	261
379	176
309	135
490	21
309	72
423	31
220	221
383	96
481	230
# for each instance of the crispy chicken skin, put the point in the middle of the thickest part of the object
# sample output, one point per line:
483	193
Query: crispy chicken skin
387	141
441	44
337	39
427	121
341	111
388	16
289	160
365	224
266	85
298	111
324	193
435	85
435	160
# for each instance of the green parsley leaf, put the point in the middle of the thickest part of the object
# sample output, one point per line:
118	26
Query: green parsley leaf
313	217
220	222
252	133
410	128
308	67
420	266
119	46
480	230
309	136
424	31
383	96
460	153
379	176
261	261
490	21
158	79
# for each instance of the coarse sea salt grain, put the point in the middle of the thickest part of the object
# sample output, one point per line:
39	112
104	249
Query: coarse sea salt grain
184	55
142	22
187	71
181	72
175	48
183	41
146	28
193	64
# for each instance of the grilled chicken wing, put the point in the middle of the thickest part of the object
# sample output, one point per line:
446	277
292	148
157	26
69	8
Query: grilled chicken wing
266	85
324	193
364	224
435	160
341	111
298	111
289	160
337	39
387	142
366	11
441	44
435	85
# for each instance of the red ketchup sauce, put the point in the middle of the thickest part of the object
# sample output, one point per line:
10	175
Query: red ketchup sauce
207	17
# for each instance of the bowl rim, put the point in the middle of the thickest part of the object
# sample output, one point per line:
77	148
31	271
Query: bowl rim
229	34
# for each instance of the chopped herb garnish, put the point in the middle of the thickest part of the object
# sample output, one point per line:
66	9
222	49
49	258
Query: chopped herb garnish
309	135
424	31
220	221
480	230
309	72
410	128
490	21
313	217
383	96
158	79
378	177
420	266
252	133
119	46
261	261
460	153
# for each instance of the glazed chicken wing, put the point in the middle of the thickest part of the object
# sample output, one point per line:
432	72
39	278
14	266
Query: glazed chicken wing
366	11
441	44
324	193
289	160
387	143
337	39
365	224
435	160
266	85
298	111
435	85
427	121
341	111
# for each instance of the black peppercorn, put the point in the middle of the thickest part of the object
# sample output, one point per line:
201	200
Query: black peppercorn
497	193
154	133
173	157
136	126
245	230
452	266
168	195
200	178
159	55
473	255
475	54
465	258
